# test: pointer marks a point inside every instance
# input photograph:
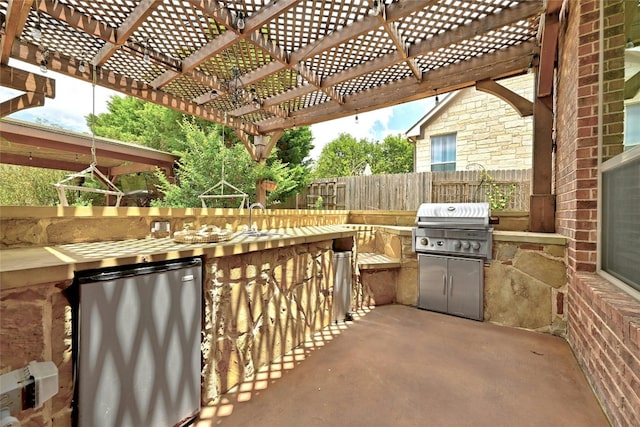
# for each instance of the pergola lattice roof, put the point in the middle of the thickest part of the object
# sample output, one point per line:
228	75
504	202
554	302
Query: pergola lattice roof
293	62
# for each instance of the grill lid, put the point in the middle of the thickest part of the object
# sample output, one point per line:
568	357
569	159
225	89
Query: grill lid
470	215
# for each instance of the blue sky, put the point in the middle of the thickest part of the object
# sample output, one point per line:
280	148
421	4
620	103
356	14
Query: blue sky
73	102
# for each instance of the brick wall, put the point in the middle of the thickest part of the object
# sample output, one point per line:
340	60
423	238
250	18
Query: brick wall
603	321
488	130
605	335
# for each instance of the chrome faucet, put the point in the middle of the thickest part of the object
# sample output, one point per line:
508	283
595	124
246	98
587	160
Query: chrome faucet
254	205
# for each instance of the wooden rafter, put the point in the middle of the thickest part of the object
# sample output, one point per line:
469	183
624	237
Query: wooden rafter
25	81
522	105
548	47
63	13
339	52
131	87
16	17
490	23
141	12
511	61
21	102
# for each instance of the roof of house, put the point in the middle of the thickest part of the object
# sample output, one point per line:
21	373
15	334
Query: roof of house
30	144
414	130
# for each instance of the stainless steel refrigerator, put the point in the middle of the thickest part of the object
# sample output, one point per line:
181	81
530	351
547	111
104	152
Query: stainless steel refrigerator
137	344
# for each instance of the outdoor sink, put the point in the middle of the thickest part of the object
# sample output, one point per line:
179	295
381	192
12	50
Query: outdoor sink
254	233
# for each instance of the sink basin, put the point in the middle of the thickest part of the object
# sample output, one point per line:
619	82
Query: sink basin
251	233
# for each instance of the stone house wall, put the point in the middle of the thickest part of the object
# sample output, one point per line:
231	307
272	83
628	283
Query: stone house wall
603	320
488	130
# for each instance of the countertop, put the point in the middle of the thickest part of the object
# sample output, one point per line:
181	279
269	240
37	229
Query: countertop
21	267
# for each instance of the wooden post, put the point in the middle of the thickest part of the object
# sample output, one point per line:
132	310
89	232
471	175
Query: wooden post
542	202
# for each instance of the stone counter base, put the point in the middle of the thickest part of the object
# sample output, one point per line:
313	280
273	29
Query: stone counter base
259	306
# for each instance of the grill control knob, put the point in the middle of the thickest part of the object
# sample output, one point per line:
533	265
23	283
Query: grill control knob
475	246
424	241
457	244
465	245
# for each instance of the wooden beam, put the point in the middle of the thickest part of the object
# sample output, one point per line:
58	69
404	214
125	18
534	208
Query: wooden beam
369	23
542	201
248	144
124	31
401	47
548	51
517	13
59	11
273	139
507	62
522	105
25	81
16	16
222	15
21	102
128	86
40	162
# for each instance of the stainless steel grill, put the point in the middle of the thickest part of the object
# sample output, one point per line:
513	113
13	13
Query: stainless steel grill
452	241
454	229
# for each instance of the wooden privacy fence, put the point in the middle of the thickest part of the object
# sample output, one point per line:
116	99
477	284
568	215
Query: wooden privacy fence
408	191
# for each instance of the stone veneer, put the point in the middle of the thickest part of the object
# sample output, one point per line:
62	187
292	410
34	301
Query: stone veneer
525	285
23	226
259	306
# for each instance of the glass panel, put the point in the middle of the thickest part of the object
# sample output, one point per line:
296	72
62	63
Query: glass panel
632	125
620	218
443	153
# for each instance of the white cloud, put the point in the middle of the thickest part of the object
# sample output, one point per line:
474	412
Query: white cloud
73	100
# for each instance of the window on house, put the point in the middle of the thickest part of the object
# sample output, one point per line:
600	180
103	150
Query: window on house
443	153
620	220
631	125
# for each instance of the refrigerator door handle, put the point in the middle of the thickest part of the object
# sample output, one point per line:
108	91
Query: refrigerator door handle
444	284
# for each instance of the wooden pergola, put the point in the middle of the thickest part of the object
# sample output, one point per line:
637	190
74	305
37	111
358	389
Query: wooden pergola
263	66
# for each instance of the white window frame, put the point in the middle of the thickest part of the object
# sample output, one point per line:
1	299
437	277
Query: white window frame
442	138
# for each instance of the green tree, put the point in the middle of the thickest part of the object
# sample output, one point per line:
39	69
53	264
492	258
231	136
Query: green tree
393	155
132	120
295	145
344	156
200	168
27	186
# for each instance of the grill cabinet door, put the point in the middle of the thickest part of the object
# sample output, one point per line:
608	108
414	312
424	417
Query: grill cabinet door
465	288
433	283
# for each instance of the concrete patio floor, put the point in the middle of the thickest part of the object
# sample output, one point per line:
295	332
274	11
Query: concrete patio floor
401	366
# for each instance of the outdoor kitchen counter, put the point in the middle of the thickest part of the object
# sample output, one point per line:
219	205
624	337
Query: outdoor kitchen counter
21	267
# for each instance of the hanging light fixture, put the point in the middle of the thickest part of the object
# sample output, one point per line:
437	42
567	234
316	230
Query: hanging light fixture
82	66
378	6
44	62
36	31
357	116
145	56
240	24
